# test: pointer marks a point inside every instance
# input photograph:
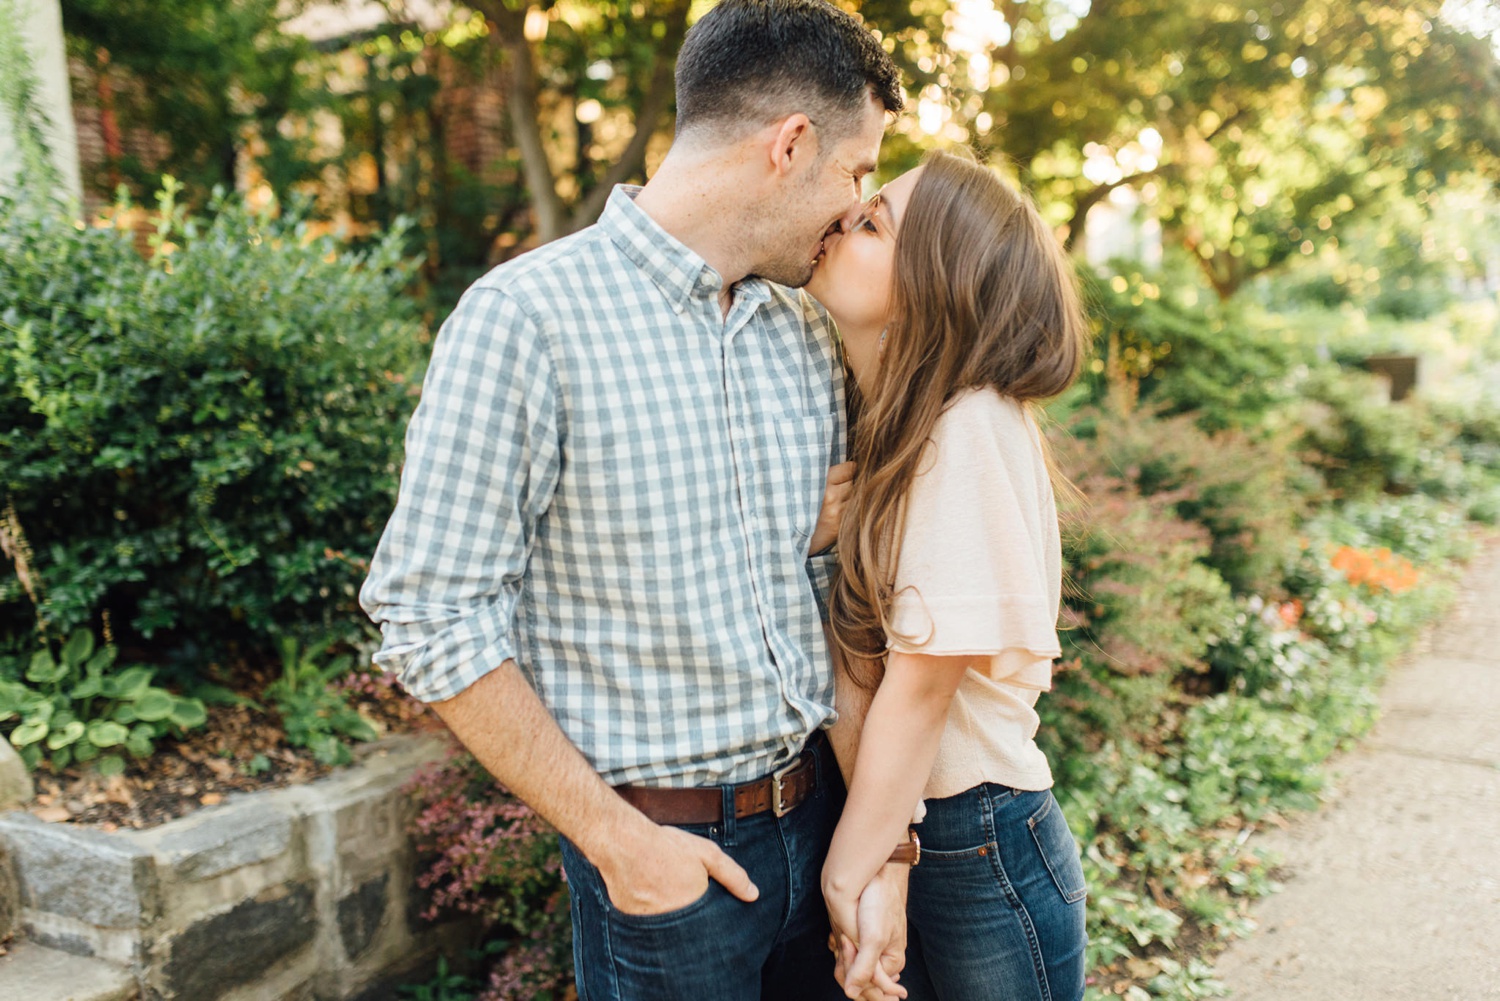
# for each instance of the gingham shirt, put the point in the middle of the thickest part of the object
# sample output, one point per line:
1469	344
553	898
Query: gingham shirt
615	485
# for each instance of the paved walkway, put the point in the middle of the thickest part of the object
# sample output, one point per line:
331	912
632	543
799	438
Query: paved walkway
1393	888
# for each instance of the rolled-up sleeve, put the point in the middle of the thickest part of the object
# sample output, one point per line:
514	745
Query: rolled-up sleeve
482	460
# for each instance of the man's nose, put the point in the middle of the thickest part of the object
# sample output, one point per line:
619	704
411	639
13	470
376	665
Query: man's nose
851	217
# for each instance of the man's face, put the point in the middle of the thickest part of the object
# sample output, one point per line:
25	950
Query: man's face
817	198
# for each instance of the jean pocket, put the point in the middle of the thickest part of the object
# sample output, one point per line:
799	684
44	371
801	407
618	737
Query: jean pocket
657	920
937	856
582	875
1054	840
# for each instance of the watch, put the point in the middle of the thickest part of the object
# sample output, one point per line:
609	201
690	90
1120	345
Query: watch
909	852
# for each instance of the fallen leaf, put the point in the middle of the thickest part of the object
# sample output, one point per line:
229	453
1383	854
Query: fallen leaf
210	798
53	814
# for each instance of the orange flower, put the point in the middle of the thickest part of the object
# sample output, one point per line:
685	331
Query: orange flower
1376	569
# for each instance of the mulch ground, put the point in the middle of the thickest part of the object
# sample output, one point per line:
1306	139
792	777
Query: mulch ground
239	749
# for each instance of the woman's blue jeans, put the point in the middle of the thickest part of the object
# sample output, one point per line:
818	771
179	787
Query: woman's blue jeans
996	907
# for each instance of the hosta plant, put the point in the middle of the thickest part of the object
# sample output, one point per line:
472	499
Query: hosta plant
74	706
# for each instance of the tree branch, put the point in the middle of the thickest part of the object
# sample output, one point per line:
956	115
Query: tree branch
646	119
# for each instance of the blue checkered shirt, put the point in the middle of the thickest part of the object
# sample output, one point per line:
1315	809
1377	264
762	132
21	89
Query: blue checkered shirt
615	485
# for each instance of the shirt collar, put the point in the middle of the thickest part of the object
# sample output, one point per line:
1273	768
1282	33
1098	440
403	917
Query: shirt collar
678	271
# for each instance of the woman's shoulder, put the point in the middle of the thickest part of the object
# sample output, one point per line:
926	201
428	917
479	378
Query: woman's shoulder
982	416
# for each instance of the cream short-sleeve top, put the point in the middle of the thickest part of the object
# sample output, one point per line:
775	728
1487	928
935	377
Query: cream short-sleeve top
980	573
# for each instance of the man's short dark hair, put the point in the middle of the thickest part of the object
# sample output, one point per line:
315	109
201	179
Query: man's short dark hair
747	63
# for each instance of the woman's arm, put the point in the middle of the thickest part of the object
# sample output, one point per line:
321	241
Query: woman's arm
896	748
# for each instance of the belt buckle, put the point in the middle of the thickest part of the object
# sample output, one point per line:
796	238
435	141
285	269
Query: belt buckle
778	806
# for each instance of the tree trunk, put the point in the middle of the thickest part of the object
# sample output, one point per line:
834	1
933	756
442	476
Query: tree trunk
553	216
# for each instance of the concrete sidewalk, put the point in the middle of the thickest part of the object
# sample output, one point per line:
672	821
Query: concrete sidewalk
1393	888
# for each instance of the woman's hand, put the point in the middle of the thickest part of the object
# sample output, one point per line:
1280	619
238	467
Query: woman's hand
836	490
870	954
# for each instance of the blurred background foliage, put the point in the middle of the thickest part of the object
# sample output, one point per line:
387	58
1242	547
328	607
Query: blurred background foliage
1255	134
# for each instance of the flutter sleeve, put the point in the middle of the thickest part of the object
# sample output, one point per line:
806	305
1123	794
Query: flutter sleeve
977	570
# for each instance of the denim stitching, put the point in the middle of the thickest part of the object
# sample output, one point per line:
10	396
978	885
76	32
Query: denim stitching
601	897
1039	966
1033	822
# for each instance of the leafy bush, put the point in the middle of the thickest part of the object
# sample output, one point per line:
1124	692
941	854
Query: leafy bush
1363	445
1183	350
72	706
1142	599
314	714
184	439
486	853
1250	493
1261	649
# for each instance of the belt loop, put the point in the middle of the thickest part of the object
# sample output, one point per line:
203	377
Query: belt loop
729	815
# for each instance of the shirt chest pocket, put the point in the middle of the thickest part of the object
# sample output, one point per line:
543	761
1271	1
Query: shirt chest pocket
805	451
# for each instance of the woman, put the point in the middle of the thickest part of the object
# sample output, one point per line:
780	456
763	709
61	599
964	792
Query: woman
958	311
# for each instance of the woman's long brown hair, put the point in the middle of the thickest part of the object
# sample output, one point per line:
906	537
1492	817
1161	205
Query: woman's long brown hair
984	296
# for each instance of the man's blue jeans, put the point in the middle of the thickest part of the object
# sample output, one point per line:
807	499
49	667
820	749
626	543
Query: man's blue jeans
720	947
996	906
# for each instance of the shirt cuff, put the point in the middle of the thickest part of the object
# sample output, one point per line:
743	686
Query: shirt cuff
434	670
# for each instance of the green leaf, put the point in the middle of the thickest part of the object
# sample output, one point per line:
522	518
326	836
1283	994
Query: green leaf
139	743
128	683
111	764
102	661
12	698
79	647
29	732
154	704
337	668
218	695
106	733
67	735
63	756
88	687
85	751
124	713
188	713
44	670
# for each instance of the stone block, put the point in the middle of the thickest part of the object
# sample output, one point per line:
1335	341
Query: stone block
16	788
80	873
239	945
361	914
214	842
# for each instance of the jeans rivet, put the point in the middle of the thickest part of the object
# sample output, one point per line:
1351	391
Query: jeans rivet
984	851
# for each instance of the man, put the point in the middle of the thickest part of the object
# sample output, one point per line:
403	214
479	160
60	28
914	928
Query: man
598	570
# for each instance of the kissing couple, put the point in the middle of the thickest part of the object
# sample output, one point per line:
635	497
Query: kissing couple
726	540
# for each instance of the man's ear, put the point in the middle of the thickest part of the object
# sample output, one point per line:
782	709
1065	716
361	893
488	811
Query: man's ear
794	145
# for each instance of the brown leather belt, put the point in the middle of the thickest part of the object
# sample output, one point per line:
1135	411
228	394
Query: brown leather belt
781	792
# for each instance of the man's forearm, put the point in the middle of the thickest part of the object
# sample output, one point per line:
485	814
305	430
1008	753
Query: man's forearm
852	703
533	758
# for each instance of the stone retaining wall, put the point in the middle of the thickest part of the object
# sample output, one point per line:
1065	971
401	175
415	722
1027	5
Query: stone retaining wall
306	892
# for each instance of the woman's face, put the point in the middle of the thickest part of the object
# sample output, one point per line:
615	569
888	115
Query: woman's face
855	274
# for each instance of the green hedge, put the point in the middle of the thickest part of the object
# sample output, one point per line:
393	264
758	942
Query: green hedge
190	442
